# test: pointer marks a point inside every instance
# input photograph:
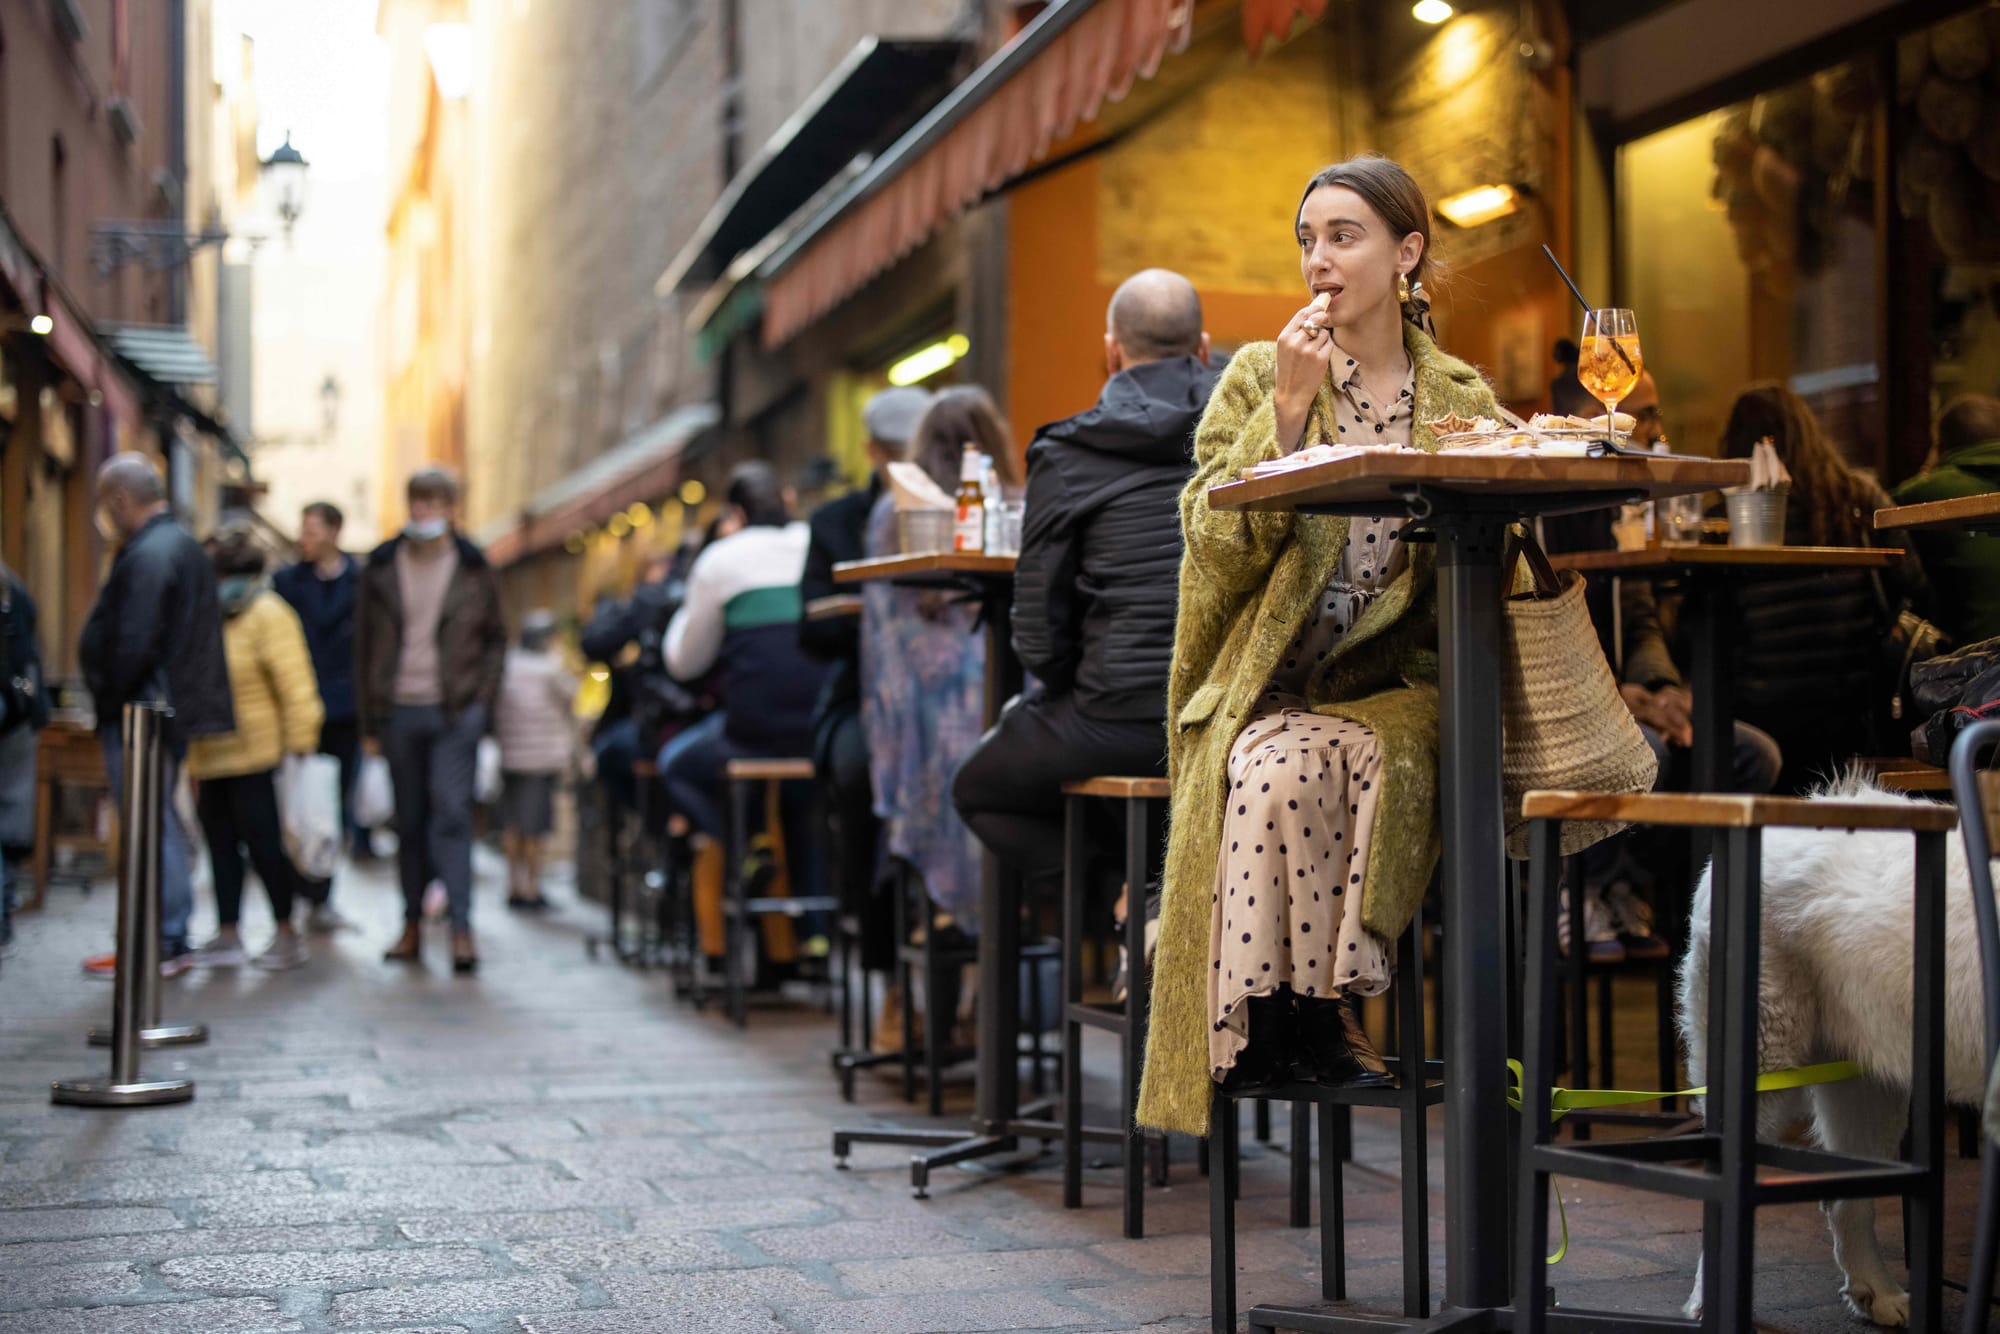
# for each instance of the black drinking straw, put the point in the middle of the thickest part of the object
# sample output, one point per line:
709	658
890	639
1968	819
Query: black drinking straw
1575	292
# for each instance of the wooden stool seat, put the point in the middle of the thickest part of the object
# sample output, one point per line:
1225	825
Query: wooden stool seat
1148	789
1689	810
1928	778
770	771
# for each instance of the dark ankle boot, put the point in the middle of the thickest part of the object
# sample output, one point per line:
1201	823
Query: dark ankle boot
1274	1041
1336	1048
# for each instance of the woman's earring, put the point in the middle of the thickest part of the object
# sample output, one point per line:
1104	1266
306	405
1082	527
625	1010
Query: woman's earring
1403	288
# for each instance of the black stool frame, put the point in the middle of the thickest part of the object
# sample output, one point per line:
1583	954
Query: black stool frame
738	908
1411	1098
1727	1152
1128	1020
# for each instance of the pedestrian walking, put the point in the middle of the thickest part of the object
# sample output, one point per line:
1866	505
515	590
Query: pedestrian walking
429	646
155	636
537	744
278	713
321	587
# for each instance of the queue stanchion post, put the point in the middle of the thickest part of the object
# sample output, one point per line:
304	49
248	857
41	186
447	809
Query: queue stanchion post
140	809
153	1032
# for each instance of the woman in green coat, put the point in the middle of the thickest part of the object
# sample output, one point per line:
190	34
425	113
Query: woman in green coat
1303	703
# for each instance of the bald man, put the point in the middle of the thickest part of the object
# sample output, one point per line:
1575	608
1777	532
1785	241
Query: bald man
1095	592
155	636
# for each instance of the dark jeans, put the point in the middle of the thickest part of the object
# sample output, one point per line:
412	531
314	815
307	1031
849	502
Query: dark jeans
341	738
1754	762
432	756
691	771
841	754
616	749
1009	791
176	878
242	813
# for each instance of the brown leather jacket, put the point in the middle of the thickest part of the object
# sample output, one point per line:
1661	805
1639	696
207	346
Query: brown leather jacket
472	636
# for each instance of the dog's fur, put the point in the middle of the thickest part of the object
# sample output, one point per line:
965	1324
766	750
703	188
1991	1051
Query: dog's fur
1836	963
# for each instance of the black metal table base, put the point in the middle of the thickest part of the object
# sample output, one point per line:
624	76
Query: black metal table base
950	1147
1270	1318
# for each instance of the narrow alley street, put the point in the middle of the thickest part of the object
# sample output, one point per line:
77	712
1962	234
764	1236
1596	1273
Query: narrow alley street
559	1147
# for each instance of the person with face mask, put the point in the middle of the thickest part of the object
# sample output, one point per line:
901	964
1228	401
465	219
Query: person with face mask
430	643
155	636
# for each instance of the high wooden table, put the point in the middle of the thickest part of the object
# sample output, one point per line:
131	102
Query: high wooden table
1709	573
1464	503
998	1120
1977	514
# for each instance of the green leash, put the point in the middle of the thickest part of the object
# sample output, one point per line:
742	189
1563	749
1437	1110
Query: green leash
1563	1101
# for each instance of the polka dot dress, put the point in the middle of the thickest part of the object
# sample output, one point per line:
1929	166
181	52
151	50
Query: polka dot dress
1302	794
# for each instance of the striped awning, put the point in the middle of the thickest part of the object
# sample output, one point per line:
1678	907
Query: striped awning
1056	74
163	352
1053	76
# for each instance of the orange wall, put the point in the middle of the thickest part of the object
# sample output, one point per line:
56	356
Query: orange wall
1056	302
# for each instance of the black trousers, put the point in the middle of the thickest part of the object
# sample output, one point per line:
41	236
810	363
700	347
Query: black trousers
239	813
1009	791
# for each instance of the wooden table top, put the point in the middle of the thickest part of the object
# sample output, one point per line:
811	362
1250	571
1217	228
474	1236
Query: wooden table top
1978	512
834	608
1376	476
936	562
1672	556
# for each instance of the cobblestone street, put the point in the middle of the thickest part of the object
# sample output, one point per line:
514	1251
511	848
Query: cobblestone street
558	1147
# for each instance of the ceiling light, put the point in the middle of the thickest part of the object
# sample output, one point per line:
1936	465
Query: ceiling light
619	526
1430	11
41	324
925	362
1480	204
639	516
693	493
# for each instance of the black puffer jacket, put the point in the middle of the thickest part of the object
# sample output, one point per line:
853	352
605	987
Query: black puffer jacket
156	634
1806	658
1094	592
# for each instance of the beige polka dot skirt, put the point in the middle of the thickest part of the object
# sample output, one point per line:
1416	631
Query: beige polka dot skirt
1302	792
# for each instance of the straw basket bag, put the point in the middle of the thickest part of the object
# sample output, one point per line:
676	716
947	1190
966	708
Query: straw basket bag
1566	726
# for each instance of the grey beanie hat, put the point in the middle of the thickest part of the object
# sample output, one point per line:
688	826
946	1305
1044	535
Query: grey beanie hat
893	414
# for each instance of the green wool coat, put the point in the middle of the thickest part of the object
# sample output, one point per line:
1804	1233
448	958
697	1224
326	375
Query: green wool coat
1248	581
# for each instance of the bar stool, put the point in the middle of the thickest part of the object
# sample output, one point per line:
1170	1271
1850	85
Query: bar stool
1126	1019
744	777
1411	1095
1727	1153
1579	971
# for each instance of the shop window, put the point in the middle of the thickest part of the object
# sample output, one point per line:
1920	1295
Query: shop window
1947	138
1749	249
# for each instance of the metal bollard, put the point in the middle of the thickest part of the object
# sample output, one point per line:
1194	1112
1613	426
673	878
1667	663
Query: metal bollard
152	1032
138	928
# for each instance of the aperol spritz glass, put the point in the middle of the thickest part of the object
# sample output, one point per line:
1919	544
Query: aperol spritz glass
1609	360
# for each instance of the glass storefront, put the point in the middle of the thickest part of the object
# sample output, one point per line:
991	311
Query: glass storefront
1781	238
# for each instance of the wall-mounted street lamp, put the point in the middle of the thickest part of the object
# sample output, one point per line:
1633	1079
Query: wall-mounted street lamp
160	246
285	174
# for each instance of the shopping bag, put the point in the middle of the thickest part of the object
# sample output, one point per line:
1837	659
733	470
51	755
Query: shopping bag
374	795
309	806
486	772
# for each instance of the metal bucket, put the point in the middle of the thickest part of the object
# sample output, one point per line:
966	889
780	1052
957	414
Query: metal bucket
1756	518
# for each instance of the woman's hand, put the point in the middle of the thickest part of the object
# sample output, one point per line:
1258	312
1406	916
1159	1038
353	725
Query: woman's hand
1305	350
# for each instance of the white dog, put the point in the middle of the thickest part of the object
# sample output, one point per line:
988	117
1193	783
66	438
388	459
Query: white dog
1836	955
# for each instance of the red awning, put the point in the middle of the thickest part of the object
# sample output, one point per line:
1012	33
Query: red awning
1053	76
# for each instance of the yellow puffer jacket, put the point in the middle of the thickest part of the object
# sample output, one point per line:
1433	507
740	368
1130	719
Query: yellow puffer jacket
271	680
